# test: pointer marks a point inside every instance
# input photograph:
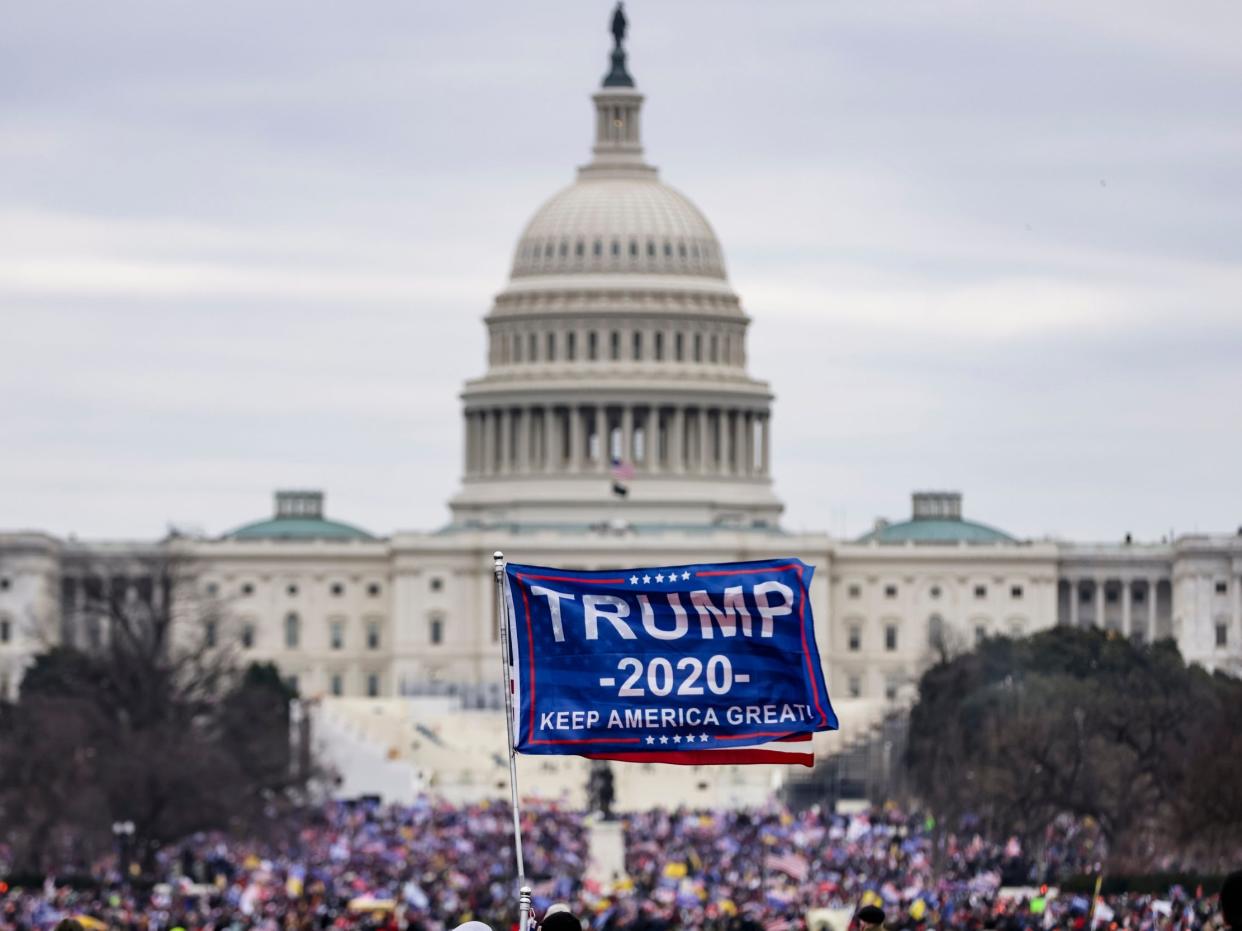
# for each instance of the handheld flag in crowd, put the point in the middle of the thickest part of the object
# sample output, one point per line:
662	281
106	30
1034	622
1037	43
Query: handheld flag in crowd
694	664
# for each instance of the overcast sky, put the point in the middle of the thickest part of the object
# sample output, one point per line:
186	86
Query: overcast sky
987	247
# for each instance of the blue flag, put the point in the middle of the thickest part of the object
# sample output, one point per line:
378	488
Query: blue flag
636	662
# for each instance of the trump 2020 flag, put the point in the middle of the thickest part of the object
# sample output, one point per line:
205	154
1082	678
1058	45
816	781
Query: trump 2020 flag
680	664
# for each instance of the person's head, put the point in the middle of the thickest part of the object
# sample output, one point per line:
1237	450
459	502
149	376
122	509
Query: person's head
1231	900
560	918
870	917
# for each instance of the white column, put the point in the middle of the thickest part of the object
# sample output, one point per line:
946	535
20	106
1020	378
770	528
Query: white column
522	425
701	463
488	445
739	442
601	438
1153	586
506	440
627	434
765	456
576	439
1125	606
550	437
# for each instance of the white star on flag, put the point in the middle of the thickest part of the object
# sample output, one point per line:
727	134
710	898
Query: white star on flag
676	738
646	579
663	740
685	576
702	737
633	580
660	577
650	739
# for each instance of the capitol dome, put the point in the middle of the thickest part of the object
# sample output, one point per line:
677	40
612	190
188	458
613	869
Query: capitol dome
616	391
610	224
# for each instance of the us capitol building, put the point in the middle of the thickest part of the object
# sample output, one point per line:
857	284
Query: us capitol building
618	345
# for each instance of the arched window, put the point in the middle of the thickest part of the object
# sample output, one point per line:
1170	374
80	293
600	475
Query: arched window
293	631
936	632
436	630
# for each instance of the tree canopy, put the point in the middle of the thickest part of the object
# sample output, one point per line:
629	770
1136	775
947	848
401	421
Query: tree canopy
156	725
1087	723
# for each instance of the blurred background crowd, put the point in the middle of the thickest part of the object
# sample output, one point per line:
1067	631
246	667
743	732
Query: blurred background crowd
430	866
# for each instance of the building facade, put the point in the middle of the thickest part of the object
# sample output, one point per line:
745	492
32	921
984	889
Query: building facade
617	424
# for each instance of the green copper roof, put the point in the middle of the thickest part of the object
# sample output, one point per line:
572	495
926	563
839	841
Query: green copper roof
298	528
936	530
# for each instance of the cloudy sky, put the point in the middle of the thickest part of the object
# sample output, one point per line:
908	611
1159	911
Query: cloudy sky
990	247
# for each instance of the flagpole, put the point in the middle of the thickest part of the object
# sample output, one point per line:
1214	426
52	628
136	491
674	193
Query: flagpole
524	892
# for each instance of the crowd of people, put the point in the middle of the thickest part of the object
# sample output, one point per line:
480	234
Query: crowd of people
432	866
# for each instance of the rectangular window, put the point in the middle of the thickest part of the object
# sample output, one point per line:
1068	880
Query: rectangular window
373	685
247	636
678	343
981	591
855	638
551	347
890	591
659	347
373	635
1110	596
571	346
890	637
615	347
211	634
1084	595
981	634
338	688
336	635
1139	596
855	687
1222	635
592	346
437	630
1222	588
6	630
855	591
1015	591
638	346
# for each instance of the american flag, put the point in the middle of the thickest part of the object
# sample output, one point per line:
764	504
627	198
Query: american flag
792	865
622	471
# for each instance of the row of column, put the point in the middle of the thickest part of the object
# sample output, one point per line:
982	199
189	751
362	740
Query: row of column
1098	588
519	345
574	438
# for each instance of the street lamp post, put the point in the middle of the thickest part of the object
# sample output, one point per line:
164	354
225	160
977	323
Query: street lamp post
123	831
